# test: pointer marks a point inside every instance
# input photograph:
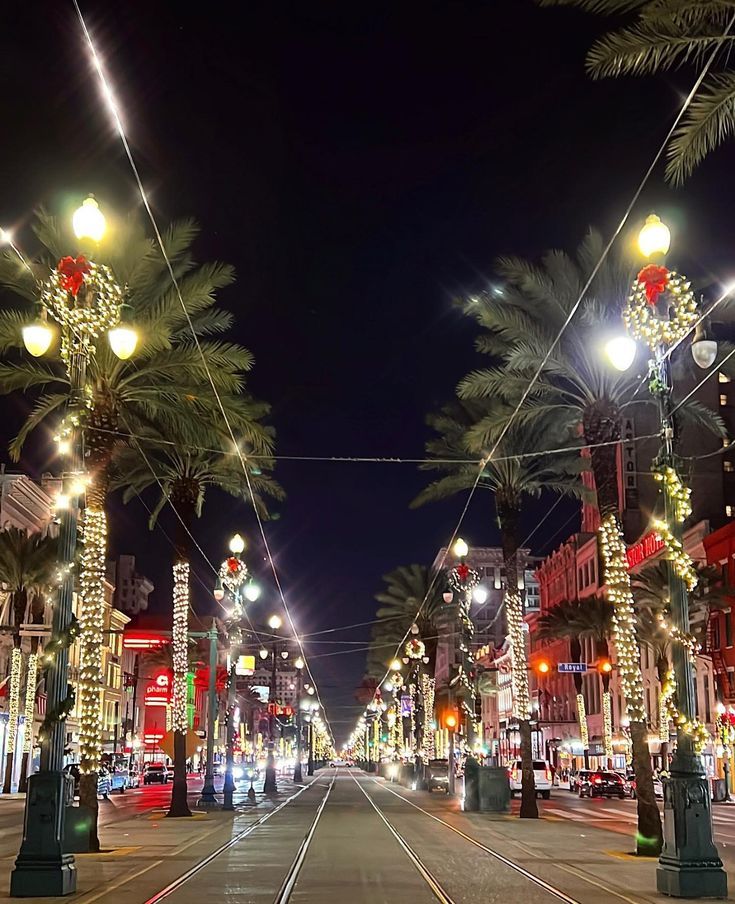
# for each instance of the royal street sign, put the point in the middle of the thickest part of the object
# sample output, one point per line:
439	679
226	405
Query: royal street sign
572	667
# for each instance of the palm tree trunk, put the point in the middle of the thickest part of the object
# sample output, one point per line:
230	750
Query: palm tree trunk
16	670
91	627
601	424
184	499
603	655
509	516
29	710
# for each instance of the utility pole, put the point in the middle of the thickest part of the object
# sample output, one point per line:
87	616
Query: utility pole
208	792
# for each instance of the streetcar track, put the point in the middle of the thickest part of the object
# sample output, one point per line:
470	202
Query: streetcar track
423	871
531	877
287	886
190	873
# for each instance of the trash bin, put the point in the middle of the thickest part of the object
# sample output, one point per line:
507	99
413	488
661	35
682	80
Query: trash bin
718	790
471	784
494	789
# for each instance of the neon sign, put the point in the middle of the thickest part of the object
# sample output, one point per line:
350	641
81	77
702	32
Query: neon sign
647	547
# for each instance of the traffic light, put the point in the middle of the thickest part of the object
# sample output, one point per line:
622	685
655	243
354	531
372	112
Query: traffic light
543	667
604	666
449	719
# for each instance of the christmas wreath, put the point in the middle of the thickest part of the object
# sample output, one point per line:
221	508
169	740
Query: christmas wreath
661	308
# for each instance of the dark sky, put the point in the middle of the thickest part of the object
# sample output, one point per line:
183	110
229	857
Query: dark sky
360	164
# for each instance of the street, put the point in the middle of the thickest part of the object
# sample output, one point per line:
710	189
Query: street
350	833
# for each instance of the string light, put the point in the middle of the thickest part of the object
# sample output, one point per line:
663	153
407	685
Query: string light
607	724
678	492
679	558
617	579
30	701
16	666
584	734
179	639
641	317
428	690
519	674
693	727
91	626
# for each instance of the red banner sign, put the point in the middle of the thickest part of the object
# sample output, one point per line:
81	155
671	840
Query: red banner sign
643	550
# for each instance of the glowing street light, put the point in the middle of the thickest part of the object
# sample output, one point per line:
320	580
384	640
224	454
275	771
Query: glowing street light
621	351
654	239
88	221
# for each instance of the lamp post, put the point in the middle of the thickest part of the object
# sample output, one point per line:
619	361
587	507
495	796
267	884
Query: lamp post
234	577
299	665
274	623
208	791
85	301
661	310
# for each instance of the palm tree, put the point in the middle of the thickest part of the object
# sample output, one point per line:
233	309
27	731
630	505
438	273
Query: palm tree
581	391
27	565
664	35
183	474
512	475
167	381
400	600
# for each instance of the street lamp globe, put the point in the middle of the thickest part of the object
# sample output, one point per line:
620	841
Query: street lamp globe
88	221
479	594
237	544
263	654
621	352
460	548
252	591
299	663
123	340
274	622
654	238
721	709
396	665
219	591
284	654
704	348
37	337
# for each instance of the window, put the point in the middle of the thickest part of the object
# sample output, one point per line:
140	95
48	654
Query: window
705	684
728	467
728	628
723	398
729	509
723	378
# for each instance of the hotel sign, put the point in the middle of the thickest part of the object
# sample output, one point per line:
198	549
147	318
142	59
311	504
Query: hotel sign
647	547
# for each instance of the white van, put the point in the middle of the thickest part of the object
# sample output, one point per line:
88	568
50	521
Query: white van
541	775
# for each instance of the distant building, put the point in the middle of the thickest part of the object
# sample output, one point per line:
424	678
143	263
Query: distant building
26	504
131	589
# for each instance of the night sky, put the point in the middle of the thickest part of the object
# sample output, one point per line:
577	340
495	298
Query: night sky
361	165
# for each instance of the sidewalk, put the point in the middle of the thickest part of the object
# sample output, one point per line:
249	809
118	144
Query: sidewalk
589	864
142	854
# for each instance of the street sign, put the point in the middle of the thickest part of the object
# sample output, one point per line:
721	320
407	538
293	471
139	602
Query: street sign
572	667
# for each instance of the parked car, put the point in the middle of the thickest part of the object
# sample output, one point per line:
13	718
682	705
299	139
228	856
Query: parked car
602	784
630	785
335	763
155	773
135	778
119	780
437	775
541	777
577	778
658	788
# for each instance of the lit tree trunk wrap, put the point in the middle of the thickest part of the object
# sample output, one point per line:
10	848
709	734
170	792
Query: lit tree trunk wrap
584	735
91	625
16	671
179	721
29	711
428	686
607	726
509	516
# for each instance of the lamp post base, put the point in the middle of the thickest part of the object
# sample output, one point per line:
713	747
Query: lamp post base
208	797
297	776
690	866
270	779
42	868
228	791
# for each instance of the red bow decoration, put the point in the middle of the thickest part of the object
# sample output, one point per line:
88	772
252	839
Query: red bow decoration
233	564
654	280
72	272
463	572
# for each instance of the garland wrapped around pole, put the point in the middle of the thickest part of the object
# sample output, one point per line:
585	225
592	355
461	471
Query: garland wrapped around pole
30	702
519	674
607	725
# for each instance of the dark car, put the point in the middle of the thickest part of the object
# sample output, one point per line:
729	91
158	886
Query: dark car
155	773
602	784
437	775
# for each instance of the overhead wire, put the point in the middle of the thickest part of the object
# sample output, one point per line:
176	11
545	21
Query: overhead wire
108	94
585	288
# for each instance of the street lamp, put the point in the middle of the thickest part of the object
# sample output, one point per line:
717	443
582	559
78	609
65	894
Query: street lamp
85	300
661	311
274	623
299	666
